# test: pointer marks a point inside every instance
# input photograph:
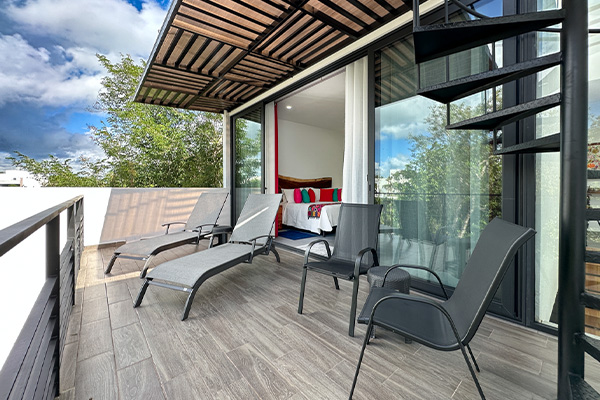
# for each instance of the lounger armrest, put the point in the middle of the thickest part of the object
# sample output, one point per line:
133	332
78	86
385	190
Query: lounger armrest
311	244
168	225
360	257
423	300
199	229
409	266
254	239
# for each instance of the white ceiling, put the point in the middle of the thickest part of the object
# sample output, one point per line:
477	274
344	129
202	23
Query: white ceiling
320	104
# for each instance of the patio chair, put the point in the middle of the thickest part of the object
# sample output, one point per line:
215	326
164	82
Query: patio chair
354	251
200	224
448	325
251	236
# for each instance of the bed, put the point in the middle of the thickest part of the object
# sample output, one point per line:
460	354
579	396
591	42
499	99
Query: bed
323	214
296	215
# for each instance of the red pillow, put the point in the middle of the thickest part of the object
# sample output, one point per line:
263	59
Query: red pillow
340	195
311	195
326	195
297	196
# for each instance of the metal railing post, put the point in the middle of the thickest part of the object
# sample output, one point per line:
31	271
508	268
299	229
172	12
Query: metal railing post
53	271
573	186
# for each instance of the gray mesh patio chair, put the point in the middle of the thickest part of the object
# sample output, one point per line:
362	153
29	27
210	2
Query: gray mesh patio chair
251	236
449	325
354	251
200	224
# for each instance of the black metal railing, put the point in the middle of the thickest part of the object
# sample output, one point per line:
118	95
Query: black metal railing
31	370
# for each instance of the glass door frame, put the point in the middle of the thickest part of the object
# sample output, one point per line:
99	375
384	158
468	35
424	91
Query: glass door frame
232	125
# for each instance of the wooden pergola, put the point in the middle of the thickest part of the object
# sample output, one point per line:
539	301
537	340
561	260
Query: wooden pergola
213	55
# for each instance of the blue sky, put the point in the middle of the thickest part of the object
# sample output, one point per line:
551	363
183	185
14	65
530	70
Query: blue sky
49	74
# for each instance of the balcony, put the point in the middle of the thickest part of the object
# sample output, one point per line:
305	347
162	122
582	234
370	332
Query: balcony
244	339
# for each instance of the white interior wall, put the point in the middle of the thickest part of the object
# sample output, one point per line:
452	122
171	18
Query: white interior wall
307	151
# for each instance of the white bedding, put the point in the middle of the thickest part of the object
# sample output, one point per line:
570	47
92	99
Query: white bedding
296	215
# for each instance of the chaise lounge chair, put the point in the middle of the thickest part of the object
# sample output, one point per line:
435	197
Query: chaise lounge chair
251	236
200	224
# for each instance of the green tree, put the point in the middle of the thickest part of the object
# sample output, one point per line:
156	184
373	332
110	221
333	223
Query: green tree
442	169
145	145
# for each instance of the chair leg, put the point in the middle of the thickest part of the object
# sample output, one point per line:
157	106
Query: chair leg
188	304
140	297
276	254
302	285
362	353
337	286
464	353
146	266
353	306
111	263
473	358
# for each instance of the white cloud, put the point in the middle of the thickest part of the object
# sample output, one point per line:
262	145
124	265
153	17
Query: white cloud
68	73
401	119
27	74
392	164
108	26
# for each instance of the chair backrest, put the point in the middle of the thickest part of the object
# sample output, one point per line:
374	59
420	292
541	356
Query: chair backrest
483	274
207	209
357	228
257	217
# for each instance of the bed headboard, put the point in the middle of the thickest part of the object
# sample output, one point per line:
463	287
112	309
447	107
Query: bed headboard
286	182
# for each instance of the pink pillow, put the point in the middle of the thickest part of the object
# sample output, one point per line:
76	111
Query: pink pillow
297	196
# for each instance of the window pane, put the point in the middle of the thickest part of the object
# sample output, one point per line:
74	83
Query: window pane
248	158
439	188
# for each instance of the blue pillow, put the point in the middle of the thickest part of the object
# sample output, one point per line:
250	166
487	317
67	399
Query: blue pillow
335	195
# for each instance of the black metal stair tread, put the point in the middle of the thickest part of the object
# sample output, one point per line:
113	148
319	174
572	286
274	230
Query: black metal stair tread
463	87
581	390
542	145
592	256
592	214
497	119
433	41
590	300
590	346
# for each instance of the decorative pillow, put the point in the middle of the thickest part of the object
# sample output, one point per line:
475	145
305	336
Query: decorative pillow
289	195
297	196
340	194
305	196
311	196
326	195
336	195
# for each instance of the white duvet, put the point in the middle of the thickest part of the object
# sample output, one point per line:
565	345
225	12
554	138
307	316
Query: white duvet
296	215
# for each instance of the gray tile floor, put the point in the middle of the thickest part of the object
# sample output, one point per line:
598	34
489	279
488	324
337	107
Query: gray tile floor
245	340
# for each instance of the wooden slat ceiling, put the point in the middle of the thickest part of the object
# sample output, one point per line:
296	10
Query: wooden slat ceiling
213	55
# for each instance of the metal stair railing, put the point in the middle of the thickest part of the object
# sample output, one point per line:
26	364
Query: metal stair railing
571	141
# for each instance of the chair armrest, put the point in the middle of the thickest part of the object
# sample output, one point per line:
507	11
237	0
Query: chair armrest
168	225
360	256
199	229
423	300
311	244
409	266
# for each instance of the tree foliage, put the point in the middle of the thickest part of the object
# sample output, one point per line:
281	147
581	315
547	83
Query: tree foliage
144	145
444	170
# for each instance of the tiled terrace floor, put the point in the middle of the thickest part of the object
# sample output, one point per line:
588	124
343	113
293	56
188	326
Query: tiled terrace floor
245	340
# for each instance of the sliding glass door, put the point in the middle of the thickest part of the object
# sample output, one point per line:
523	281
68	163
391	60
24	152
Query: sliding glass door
439	188
248	158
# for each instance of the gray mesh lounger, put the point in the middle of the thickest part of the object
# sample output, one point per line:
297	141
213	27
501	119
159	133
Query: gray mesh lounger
200	224
251	236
